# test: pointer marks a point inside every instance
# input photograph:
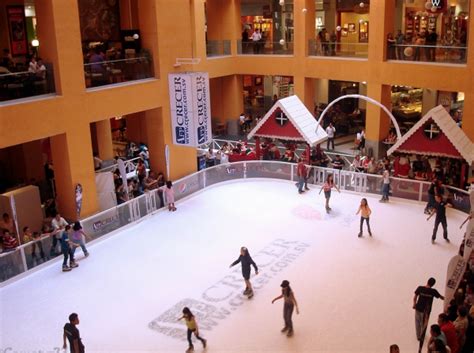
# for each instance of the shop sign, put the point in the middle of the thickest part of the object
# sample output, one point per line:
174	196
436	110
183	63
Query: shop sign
17	29
190	108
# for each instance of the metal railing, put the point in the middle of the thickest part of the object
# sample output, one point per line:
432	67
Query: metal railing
16	85
218	48
427	53
117	71
338	49
264	48
22	259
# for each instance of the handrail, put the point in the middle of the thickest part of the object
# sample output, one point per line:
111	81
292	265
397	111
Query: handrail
116	61
14	262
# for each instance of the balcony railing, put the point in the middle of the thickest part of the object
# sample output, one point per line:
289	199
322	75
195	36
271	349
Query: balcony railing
117	71
217	48
427	53
16	85
264	48
338	49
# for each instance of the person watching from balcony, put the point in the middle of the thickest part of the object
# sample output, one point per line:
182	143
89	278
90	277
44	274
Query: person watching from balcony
6	223
400	40
96	60
430	50
7	60
256	37
40	69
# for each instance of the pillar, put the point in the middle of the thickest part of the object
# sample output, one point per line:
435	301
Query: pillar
104	139
226	98
377	123
223	23
468	116
73	164
381	19
65	56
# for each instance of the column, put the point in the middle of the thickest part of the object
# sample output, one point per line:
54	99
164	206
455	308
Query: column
58	23
136	129
221	20
468	117
73	164
304	26
377	123
381	19
104	139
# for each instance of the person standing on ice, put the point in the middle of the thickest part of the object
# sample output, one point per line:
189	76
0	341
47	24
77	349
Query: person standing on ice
192	328
365	212
288	306
440	210
168	191
327	186
422	302
246	262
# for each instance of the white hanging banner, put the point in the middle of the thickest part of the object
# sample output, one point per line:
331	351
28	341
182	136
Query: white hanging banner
456	268
201	107
167	160
190	108
469	240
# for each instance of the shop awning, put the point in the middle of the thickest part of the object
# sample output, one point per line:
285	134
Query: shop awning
289	119
436	134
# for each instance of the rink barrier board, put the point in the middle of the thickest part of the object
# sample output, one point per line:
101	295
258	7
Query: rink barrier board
22	260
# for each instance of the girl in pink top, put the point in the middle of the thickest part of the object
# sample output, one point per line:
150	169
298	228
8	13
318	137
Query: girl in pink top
365	212
327	186
168	190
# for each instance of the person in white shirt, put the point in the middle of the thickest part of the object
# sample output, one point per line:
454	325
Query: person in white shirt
256	37
242	121
58	224
33	66
330	131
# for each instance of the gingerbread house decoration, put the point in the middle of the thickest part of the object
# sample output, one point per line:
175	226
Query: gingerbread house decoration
289	120
438	135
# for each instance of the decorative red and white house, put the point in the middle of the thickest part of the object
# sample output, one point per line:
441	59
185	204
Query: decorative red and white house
437	135
289	120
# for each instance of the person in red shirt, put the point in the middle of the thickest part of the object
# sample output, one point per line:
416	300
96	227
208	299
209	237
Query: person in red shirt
301	172
447	327
9	242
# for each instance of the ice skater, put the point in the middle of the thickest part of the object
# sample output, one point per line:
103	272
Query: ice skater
67	250
365	213
246	261
385	184
168	190
327	186
440	209
72	334
192	326
77	238
422	302
288	306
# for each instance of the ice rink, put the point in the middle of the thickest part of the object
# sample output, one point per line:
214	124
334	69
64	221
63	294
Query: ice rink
355	294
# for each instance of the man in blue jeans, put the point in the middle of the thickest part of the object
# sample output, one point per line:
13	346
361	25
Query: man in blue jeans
301	173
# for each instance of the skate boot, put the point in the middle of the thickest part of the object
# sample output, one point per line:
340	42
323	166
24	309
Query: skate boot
190	349
73	265
447	240
204	343
66	269
289	333
250	294
360	235
246	291
284	329
370	233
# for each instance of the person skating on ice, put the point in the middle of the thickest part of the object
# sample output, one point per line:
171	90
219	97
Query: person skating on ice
440	209
72	334
365	213
385	184
192	326
246	261
327	186
168	191
422	302
288	306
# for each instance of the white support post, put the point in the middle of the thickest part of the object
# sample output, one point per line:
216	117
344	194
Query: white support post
420	192
292	173
23	258
245	170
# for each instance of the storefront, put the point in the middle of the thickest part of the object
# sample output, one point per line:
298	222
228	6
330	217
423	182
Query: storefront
449	20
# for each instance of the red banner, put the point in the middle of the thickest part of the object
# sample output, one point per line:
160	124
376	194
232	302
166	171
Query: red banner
17	28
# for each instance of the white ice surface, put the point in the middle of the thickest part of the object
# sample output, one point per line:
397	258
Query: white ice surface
355	295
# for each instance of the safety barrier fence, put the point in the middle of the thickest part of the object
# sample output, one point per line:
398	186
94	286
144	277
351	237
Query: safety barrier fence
30	255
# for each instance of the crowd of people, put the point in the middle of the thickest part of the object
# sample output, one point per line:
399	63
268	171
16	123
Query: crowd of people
424	45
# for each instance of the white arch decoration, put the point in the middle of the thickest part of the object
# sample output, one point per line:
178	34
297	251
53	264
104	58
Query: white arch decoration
367	99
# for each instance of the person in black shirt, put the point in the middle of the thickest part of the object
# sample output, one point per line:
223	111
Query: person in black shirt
246	261
440	210
422	302
72	334
431	196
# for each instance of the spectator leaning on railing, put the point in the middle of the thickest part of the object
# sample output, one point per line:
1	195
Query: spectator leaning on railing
9	242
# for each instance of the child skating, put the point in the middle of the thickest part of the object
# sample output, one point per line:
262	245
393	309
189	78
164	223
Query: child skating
327	186
365	212
288	306
246	261
168	190
192	326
